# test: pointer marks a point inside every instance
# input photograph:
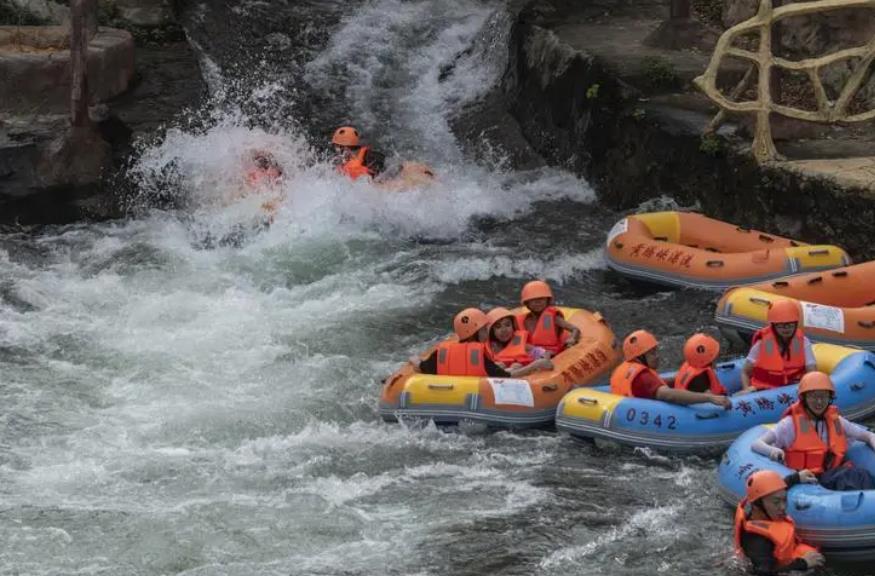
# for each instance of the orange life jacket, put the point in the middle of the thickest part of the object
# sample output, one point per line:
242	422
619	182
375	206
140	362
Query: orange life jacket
355	166
545	334
808	449
782	533
687	373
624	374
515	351
458	359
771	369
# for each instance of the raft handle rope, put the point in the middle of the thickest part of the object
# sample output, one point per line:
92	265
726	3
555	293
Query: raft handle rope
866	324
708	416
780	284
840	274
589	401
767	239
762	301
661	238
740	229
857	386
815	280
714	263
432	386
549	387
818	252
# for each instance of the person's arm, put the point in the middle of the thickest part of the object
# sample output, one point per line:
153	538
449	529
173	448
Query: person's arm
685	397
427	366
857	432
542	364
765	445
746	371
566	325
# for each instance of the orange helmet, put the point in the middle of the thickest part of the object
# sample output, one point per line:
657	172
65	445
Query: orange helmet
816	381
345	136
783	312
638	343
497	314
700	350
468	322
762	483
535	289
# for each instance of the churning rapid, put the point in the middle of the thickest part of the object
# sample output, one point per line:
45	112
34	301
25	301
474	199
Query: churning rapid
189	392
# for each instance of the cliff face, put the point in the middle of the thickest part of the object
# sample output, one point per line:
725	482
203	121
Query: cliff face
622	115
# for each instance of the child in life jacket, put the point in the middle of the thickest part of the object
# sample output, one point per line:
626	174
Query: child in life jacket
637	376
697	374
544	322
764	534
813	436
354	159
780	353
468	356
509	345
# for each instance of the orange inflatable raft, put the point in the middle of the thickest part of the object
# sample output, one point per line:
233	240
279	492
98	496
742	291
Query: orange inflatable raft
689	249
504	402
838	306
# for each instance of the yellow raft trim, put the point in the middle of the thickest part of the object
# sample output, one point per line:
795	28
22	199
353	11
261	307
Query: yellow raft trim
828	356
662	225
817	256
431	389
588	404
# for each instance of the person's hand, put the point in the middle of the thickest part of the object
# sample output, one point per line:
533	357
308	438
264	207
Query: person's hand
575	337
807	477
814	559
544	364
871	441
721	401
777	455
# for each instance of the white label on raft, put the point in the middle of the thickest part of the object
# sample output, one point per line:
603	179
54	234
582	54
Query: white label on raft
511	391
620	227
823	317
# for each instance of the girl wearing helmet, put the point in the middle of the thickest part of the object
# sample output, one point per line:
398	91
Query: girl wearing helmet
781	353
697	374
813	435
507	344
544	322
764	534
468	356
637	376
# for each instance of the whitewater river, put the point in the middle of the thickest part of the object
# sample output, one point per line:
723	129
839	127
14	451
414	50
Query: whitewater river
183	392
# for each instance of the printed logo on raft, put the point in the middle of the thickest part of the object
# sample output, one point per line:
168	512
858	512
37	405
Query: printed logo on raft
675	257
582	368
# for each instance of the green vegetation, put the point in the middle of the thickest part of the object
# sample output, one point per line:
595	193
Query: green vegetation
12	15
711	145
592	92
659	73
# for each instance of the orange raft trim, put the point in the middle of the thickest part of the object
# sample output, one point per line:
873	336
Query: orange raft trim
505	402
692	250
838	306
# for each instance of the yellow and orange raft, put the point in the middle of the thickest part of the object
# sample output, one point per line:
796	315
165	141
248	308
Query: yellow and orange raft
504	402
692	250
838	306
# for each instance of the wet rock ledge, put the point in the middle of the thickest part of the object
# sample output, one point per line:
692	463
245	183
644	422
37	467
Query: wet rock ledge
591	95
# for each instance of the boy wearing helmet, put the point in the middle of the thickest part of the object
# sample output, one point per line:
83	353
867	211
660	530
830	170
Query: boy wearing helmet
697	374
781	353
508	345
812	435
468	356
544	322
637	376
764	534
353	159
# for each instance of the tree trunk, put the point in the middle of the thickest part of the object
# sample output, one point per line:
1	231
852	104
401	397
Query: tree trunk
78	63
680	9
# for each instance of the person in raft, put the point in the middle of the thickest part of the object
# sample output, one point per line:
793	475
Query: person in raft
697	373
637	376
764	534
543	321
468	356
780	354
352	158
508	345
813	436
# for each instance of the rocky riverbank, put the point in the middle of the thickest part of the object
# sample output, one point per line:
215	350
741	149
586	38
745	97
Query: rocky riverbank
590	93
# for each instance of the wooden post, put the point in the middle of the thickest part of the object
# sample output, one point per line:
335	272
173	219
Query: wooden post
79	64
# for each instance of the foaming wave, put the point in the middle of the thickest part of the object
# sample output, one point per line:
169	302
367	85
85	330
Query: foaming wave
559	269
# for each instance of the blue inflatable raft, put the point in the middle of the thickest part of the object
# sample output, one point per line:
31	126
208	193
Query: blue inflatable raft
842	524
596	413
